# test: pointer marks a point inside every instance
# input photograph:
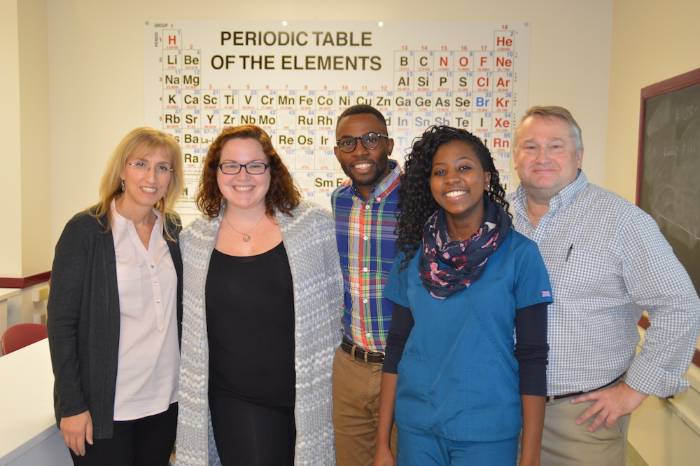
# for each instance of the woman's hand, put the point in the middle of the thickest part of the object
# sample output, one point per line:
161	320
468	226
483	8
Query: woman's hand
76	430
533	424
383	457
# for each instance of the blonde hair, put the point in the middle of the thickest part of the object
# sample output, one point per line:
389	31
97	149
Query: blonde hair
141	140
554	111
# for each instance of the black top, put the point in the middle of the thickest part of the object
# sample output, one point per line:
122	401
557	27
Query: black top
530	348
250	326
83	318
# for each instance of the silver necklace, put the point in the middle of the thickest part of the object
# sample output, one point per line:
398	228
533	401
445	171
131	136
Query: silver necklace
246	236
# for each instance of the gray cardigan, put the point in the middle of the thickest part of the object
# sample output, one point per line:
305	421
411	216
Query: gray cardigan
309	239
83	319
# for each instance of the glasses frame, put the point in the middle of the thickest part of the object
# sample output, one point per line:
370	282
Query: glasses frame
147	167
242	166
362	141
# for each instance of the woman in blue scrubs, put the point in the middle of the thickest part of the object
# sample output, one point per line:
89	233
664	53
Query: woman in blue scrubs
465	366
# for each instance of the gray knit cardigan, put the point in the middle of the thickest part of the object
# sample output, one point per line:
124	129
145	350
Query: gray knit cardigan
309	239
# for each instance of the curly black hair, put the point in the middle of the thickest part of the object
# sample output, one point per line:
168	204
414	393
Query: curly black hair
416	202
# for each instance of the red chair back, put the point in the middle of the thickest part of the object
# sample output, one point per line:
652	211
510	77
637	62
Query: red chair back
20	335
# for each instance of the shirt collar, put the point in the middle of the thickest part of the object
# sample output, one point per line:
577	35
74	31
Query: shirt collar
385	186
120	223
560	200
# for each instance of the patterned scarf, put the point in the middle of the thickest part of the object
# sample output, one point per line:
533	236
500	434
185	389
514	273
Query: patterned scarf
450	266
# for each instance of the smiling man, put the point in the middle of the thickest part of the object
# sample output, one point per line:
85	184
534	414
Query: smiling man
365	218
608	262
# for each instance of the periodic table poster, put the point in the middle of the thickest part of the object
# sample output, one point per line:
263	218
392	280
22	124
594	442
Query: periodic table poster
294	78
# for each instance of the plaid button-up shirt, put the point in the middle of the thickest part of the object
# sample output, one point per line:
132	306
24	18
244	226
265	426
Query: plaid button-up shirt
367	245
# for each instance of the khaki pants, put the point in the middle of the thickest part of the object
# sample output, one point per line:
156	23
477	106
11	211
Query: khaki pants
356	387
564	443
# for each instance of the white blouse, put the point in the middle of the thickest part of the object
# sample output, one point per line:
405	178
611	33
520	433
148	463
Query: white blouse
149	355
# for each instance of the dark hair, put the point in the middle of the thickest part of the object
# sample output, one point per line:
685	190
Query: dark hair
282	196
416	202
361	109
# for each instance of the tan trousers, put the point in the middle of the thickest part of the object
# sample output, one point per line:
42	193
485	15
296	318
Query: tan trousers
356	409
564	443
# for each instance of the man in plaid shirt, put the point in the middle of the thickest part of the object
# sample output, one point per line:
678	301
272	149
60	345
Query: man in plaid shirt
365	218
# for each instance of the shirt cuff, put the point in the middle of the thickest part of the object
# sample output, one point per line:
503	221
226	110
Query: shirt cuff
652	380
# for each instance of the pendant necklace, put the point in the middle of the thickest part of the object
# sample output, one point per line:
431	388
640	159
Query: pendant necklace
246	236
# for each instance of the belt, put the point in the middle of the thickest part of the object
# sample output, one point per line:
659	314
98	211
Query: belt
568	395
360	353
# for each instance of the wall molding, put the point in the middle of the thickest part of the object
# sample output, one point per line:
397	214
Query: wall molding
24	282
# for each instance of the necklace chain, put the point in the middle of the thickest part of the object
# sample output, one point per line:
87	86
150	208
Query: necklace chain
246	236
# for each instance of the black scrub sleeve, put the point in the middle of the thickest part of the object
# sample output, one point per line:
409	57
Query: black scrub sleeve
531	348
401	325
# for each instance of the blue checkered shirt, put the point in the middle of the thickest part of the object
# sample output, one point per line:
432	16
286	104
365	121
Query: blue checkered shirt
608	262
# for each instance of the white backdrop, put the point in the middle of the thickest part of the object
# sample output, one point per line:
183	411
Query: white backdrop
293	79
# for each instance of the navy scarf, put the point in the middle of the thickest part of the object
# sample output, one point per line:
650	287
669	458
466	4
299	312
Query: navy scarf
449	266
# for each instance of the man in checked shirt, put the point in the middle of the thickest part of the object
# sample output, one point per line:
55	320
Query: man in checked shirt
365	218
607	262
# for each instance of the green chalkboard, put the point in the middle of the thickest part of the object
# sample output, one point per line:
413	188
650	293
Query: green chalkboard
668	182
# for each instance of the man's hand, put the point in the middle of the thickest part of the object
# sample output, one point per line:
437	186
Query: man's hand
76	430
609	404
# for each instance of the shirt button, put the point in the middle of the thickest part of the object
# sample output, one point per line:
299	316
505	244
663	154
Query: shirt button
153	266
379	199
364	300
158	301
368	335
365	269
365	238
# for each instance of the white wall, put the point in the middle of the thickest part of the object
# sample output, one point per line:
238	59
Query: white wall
10	155
96	67
34	136
24	178
652	41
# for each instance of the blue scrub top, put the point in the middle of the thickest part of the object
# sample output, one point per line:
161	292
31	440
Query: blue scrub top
458	376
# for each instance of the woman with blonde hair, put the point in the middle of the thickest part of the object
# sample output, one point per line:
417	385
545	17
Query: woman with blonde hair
115	309
263	298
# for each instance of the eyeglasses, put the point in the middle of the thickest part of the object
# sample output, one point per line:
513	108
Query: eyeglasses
252	168
160	169
369	141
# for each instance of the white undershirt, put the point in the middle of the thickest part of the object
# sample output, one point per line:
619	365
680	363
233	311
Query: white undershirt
149	355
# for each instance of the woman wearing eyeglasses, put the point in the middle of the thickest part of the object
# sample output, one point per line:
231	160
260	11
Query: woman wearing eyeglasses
263	296
115	307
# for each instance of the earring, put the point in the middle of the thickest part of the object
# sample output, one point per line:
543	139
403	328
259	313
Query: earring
123	187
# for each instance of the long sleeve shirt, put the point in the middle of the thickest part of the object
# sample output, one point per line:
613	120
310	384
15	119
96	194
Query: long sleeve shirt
608	262
366	240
